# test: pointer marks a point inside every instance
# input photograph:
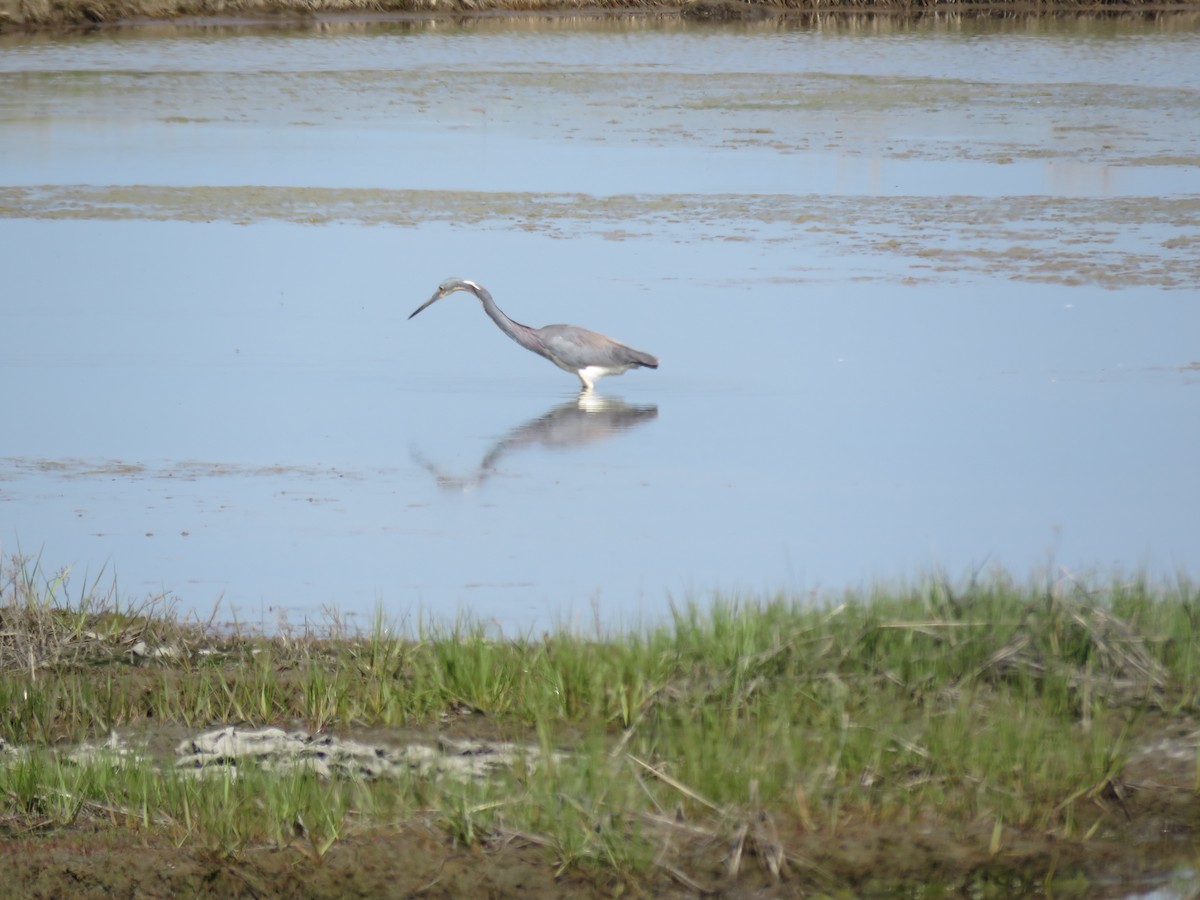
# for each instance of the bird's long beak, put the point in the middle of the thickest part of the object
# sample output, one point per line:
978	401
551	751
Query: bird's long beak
437	296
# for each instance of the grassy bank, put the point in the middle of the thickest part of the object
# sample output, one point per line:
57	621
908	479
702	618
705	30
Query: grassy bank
987	735
58	14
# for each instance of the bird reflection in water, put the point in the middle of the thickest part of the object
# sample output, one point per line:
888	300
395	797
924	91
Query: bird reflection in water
586	419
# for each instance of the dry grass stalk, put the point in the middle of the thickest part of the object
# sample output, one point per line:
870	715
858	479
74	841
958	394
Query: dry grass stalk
677	785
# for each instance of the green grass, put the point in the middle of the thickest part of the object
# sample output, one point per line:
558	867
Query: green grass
993	708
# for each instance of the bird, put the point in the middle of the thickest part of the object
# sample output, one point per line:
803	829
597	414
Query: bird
585	353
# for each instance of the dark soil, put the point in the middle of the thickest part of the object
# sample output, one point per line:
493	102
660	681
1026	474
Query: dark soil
1150	819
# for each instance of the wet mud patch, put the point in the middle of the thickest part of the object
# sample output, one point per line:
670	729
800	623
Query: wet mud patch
411	860
654	104
1112	243
13	467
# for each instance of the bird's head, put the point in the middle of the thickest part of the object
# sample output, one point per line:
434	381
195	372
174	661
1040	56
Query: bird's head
445	289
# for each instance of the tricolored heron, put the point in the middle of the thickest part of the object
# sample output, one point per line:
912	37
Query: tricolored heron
585	353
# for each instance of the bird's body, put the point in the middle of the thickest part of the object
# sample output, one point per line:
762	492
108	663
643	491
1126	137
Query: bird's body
586	354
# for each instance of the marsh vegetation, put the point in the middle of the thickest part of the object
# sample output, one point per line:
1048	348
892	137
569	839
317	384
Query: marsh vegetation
52	14
985	735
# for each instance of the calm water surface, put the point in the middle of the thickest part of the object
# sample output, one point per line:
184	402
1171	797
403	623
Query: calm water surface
926	300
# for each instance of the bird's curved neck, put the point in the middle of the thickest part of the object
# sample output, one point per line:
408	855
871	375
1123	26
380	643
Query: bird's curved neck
522	334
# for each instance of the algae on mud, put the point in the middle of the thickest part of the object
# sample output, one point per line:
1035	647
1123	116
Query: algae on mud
984	736
1035	238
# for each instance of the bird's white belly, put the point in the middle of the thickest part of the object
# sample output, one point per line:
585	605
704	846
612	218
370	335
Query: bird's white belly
591	373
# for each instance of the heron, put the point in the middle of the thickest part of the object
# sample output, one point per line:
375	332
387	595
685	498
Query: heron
585	353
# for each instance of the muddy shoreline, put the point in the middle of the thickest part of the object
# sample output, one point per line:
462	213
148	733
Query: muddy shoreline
984	742
1150	811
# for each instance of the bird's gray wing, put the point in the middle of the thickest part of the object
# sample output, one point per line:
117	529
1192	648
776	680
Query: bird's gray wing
579	347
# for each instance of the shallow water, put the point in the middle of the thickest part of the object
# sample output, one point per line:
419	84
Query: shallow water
925	299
